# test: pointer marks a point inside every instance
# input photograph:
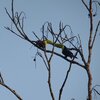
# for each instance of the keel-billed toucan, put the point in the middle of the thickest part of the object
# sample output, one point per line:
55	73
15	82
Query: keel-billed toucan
65	51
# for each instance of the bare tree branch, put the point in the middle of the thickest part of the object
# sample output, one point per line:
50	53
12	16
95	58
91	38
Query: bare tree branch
95	90
85	5
90	34
36	35
49	74
43	60
96	31
96	1
7	87
14	32
90	52
1	79
11	90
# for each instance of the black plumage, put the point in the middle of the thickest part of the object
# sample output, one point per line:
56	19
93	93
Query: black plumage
67	53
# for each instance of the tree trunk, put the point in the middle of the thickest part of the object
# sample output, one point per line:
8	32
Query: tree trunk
89	83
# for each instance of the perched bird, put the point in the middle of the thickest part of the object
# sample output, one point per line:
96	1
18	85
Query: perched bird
67	52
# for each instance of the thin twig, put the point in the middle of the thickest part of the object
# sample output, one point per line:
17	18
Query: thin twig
1	79
85	5
96	91
97	27
11	90
14	32
43	60
49	76
36	35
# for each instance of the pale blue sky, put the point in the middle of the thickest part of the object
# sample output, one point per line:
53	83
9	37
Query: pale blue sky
16	63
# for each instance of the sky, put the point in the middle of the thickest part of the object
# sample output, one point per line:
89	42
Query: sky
16	55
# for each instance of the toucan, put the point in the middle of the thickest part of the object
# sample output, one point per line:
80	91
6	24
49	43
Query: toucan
67	53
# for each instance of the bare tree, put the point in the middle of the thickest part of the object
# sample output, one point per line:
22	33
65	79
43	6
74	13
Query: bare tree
59	40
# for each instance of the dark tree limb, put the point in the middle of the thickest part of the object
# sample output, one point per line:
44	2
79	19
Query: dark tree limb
2	83
49	73
85	5
95	90
11	90
96	31
90	52
91	41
